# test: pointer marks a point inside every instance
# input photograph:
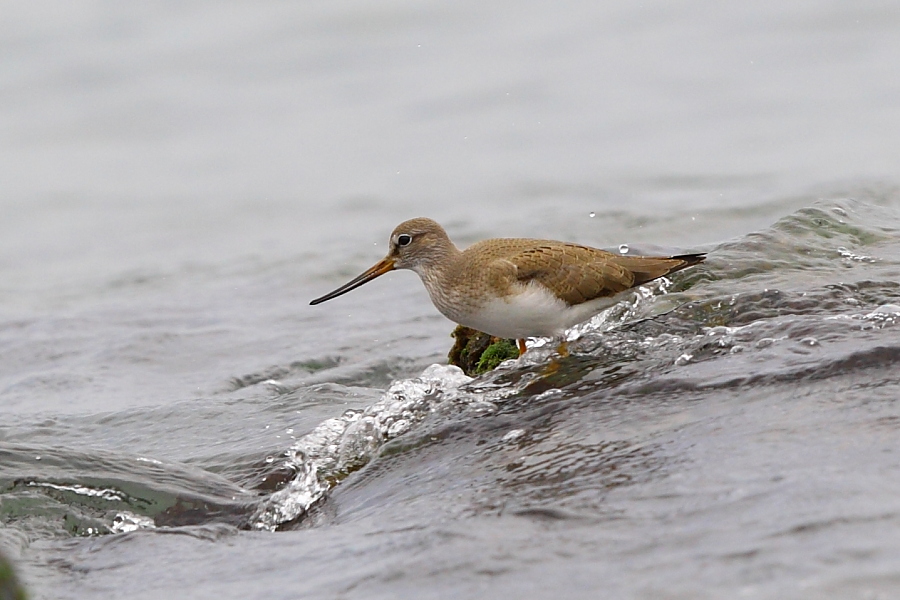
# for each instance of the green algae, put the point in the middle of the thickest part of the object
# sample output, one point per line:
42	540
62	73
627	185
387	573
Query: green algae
10	588
476	352
495	354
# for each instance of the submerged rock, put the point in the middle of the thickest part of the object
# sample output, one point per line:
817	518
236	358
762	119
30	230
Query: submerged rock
10	588
476	352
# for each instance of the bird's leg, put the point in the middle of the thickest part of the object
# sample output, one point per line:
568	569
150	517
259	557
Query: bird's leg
522	347
562	352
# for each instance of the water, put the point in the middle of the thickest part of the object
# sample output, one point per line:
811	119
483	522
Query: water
180	181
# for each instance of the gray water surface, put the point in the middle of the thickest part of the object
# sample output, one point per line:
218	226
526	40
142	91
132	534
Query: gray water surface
178	181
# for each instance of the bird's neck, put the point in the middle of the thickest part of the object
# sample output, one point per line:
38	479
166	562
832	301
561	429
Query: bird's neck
437	271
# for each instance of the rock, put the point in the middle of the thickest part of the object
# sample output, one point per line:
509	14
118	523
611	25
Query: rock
475	352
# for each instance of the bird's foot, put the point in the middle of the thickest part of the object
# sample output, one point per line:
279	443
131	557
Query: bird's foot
562	349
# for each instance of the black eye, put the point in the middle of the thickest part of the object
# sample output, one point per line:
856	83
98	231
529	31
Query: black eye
404	239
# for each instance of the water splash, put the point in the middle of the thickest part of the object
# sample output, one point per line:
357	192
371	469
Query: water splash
633	306
111	495
848	255
125	522
344	444
879	318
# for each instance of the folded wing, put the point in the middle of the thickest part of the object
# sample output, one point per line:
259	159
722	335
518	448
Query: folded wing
577	274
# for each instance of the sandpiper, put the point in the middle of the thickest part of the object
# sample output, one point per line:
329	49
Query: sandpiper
514	287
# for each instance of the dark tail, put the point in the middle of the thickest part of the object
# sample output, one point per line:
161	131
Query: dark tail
648	268
690	259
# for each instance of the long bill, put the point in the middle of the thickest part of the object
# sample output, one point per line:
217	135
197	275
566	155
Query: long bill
380	268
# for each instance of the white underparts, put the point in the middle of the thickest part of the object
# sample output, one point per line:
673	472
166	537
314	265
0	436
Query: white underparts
530	311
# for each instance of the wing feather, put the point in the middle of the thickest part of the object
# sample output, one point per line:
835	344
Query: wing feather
576	274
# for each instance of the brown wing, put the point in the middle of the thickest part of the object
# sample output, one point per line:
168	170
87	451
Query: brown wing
578	274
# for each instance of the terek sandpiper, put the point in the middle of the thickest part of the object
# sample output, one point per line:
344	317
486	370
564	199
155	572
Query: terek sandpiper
513	287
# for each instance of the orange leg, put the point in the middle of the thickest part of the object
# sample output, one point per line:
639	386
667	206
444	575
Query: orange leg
563	349
522	347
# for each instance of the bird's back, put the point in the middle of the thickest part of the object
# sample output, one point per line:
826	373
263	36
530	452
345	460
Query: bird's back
574	273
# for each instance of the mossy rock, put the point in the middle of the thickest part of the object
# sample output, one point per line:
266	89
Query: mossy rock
476	352
10	588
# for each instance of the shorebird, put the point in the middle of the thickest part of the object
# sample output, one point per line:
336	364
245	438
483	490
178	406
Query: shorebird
514	287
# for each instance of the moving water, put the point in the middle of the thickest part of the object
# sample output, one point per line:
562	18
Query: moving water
176	421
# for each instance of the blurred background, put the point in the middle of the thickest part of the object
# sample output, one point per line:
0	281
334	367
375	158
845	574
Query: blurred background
178	180
146	137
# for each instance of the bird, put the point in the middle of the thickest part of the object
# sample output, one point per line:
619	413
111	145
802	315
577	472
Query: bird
514	288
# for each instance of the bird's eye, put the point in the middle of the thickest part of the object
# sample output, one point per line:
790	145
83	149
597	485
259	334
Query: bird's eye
404	239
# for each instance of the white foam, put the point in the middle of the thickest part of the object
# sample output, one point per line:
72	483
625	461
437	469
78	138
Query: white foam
341	445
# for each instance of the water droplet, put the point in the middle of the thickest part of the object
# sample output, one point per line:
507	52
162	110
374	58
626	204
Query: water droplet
809	341
38	457
683	359
623	249
513	435
270	460
592	214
